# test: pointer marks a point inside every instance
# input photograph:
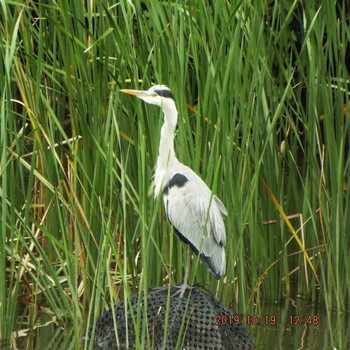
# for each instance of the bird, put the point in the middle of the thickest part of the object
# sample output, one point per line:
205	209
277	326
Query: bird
190	206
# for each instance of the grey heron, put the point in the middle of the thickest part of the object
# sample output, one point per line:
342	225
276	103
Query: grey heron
194	212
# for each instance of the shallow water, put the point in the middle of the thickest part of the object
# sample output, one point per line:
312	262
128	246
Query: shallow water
275	327
290	328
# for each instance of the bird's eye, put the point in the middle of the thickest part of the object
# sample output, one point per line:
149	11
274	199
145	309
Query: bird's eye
154	94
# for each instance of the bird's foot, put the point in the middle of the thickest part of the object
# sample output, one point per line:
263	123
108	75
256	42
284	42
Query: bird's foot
182	290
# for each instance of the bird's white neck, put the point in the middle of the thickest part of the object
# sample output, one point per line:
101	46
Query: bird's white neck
166	156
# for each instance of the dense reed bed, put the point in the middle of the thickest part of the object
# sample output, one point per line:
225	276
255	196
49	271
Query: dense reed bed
262	91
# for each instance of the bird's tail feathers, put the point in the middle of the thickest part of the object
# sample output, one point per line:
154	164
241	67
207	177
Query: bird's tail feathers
215	263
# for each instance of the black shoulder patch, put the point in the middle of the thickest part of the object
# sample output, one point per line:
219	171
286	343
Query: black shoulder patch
177	180
165	93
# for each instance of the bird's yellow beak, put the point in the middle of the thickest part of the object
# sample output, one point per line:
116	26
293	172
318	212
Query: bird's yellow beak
137	93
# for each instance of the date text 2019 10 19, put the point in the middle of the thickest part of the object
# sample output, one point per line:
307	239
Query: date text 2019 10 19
254	320
249	320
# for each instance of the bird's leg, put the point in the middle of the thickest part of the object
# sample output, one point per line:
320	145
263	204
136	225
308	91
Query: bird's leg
187	271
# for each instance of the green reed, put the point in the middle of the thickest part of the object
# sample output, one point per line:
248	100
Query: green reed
263	99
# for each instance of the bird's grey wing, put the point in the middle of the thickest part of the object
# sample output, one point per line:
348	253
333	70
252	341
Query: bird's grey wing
220	205
195	214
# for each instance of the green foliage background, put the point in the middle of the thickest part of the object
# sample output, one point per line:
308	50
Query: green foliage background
262	90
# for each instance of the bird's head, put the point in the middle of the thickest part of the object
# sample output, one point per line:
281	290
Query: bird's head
156	95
